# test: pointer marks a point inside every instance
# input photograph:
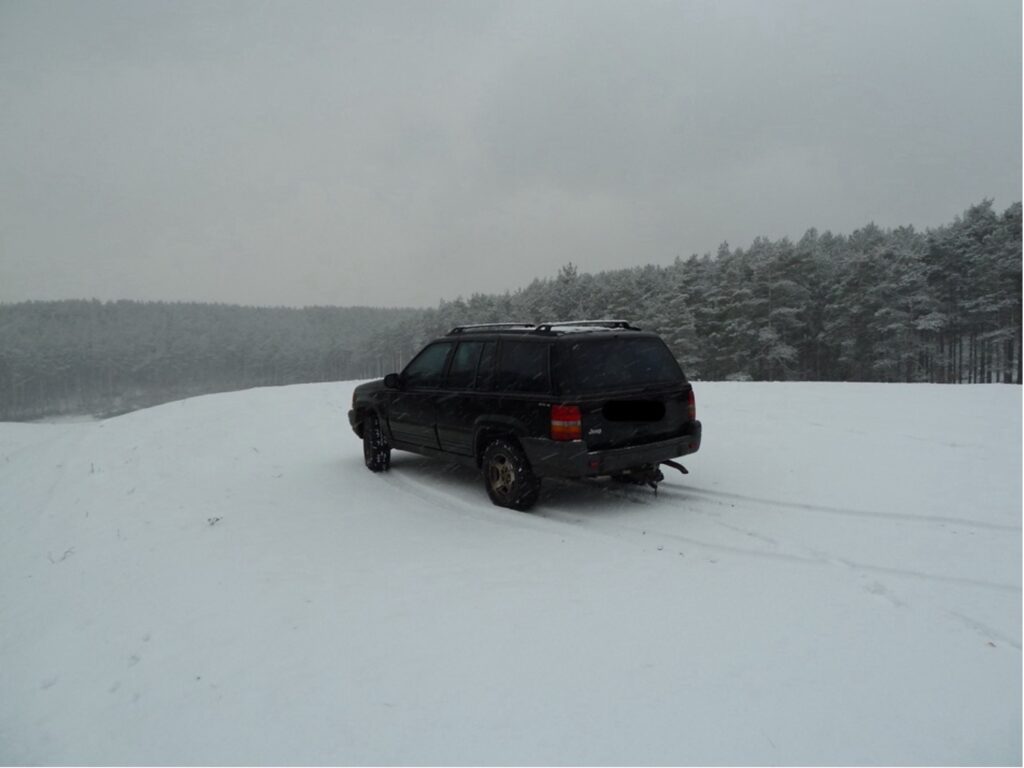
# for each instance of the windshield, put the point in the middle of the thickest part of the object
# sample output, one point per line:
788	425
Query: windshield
622	363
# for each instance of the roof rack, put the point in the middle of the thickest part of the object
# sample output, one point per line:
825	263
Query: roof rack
624	324
542	327
480	327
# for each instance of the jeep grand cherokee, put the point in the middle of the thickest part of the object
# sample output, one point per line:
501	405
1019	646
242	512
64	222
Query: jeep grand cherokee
522	402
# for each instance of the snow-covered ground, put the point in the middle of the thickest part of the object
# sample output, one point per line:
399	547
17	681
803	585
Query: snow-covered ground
219	580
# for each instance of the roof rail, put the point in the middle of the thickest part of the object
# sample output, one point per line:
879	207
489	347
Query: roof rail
480	327
542	327
624	324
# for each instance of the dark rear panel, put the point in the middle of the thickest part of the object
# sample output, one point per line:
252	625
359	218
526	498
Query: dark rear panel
630	389
618	362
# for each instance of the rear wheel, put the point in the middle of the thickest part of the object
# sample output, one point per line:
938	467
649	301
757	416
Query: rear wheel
507	476
376	450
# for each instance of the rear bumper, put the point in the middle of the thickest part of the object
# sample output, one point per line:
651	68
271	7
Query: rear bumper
550	458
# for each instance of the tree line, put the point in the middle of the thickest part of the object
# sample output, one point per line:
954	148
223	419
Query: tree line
103	358
943	305
892	305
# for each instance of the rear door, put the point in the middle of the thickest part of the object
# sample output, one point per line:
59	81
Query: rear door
630	390
457	407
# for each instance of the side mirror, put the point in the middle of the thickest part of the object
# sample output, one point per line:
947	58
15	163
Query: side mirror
392	381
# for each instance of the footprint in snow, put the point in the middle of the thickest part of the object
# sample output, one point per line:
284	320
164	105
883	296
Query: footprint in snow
880	590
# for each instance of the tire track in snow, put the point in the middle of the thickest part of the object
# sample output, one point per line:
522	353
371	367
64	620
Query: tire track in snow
427	492
862	513
597	527
604	528
984	630
811	557
539	519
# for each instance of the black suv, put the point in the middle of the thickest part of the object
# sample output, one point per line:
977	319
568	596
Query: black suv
580	399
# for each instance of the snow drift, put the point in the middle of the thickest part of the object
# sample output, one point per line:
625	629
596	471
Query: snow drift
219	580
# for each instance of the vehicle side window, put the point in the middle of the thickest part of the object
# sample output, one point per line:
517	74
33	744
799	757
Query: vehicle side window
523	367
485	373
427	368
464	362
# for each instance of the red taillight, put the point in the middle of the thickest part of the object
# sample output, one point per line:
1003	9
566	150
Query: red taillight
566	422
691	405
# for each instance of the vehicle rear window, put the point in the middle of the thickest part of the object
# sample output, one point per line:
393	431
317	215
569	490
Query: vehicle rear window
602	364
523	367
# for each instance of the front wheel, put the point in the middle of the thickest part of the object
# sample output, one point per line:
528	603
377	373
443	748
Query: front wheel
376	450
507	476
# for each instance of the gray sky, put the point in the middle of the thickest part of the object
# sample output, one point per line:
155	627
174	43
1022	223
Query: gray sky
382	153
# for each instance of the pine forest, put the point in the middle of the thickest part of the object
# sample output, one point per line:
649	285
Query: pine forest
885	305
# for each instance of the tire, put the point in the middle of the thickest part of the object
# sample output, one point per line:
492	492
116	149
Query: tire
376	451
507	476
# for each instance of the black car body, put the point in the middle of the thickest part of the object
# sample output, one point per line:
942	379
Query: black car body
573	400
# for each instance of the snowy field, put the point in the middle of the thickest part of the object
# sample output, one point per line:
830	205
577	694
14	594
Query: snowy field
219	580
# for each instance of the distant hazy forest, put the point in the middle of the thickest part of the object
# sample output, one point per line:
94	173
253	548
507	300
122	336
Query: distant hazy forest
942	305
106	358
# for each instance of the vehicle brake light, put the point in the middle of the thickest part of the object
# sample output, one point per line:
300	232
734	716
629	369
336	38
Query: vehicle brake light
691	405
566	422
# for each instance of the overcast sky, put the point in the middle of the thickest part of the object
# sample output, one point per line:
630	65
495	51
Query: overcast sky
295	153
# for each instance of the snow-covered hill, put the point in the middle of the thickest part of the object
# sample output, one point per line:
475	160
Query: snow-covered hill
219	580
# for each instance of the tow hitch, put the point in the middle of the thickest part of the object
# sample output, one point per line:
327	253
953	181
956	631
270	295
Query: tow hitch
648	475
658	476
